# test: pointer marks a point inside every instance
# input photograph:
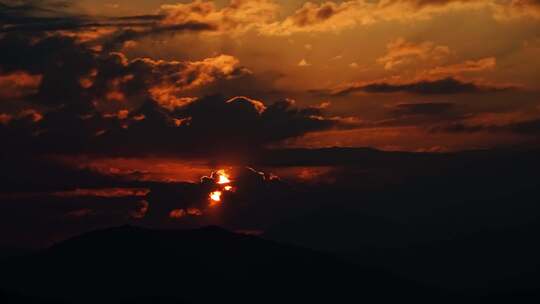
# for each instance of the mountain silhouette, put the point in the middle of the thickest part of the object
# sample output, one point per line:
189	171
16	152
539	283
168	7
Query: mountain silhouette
137	265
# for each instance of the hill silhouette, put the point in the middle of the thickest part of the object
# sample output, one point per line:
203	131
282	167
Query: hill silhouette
136	265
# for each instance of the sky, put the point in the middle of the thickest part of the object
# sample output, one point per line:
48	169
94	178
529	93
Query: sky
393	75
129	101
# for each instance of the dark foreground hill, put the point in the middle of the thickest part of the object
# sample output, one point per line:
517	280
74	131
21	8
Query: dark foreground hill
135	265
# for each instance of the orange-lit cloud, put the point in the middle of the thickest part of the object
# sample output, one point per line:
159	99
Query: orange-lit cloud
468	66
304	63
167	96
181	122
167	82
312	17
516	9
194	212
312	174
177	213
123	94
404	139
5	118
180	213
402	52
31	115
88	34
239	16
178	77
87	81
257	104
333	16
18	85
104	192
158	169
80	192
130	44
121	115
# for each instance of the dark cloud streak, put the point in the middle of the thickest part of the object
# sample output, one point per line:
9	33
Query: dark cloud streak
423	108
526	127
445	86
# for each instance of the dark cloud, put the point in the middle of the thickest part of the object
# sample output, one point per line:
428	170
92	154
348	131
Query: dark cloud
48	200
215	126
118	38
35	54
31	16
309	15
428	108
255	198
458	127
152	17
30	7
260	86
444	86
44	24
419	114
529	127
261	201
35	18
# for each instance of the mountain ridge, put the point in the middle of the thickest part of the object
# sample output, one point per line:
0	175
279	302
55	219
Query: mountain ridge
129	262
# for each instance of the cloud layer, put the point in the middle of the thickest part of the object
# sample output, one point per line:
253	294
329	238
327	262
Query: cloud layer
90	101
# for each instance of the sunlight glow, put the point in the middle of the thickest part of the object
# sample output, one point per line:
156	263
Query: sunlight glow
177	213
223	177
215	198
224	182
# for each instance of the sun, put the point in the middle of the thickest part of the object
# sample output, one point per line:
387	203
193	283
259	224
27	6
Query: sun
215	198
224	182
223	177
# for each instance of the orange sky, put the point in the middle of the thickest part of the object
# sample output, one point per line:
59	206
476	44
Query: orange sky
400	74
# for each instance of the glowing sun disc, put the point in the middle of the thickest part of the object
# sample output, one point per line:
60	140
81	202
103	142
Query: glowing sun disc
223	178
215	198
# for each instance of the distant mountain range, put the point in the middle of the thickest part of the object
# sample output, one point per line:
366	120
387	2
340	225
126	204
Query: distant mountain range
129	264
208	265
